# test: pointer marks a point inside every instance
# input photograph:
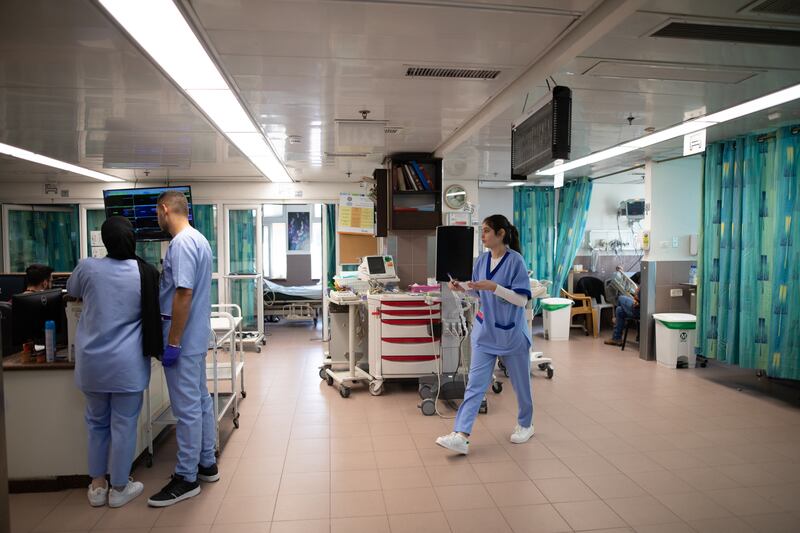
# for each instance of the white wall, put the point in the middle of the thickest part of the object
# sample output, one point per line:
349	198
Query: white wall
673	190
604	205
496	201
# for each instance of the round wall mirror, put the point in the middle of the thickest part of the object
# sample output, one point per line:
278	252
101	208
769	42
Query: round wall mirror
455	197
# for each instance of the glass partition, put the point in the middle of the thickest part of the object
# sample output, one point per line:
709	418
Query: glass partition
42	234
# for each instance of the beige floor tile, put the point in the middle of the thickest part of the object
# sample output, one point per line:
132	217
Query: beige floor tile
206	528
675	459
774	523
570	448
693	506
500	471
302	526
238	509
352	504
351	444
386	429
415	523
391	443
661	482
679	527
459	497
590	465
307	462
589	515
411	501
570	489
73	517
355	480
722	525
253	484
192	512
406	478
459	474
632	463
613	486
534	519
305	482
784	495
743	502
546	469
398	458
367	524
707	478
487	453
253	527
477	521
512	493
642	511
750	475
343	462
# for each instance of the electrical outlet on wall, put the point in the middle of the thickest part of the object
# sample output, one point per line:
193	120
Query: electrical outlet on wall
674	242
676	292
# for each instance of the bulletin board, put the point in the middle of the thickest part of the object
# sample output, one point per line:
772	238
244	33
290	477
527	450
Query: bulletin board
354	247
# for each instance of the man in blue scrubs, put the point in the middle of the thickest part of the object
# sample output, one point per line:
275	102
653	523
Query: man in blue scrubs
185	312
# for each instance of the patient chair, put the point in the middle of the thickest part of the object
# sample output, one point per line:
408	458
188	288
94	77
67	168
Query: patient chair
582	307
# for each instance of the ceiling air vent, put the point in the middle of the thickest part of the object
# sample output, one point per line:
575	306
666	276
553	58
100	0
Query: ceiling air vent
729	34
393	130
775	7
456	73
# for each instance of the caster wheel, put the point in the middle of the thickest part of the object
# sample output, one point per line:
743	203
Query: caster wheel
428	407
497	387
543	366
376	388
236	421
345	392
550	372
263	342
149	461
329	379
425	392
244	394
484	408
323	373
760	373
258	349
703	365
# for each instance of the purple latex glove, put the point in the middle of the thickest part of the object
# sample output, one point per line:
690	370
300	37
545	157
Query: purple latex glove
171	354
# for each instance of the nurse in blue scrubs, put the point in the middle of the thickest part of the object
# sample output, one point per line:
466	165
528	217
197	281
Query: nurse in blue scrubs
116	336
500	279
185	297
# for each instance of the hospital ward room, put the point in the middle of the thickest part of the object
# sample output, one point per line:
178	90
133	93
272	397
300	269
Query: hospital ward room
395	266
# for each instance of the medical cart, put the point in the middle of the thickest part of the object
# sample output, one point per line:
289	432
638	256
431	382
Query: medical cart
354	374
226	331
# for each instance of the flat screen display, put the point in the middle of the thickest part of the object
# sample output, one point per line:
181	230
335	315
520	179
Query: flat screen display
139	206
454	252
635	208
376	265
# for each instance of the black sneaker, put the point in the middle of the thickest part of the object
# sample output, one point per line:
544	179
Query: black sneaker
177	490
209	474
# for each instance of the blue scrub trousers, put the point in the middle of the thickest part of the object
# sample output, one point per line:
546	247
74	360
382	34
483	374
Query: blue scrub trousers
480	377
111	418
194	409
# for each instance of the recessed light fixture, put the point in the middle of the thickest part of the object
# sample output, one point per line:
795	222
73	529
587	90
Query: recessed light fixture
161	30
19	153
690	126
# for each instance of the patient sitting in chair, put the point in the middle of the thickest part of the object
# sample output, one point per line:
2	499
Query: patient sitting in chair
627	306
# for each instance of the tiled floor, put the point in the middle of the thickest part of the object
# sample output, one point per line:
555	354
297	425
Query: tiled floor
621	445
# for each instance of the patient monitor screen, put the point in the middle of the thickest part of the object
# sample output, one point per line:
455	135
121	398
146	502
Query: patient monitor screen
139	206
376	265
454	252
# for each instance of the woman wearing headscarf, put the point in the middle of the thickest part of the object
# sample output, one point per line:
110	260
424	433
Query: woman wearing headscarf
118	331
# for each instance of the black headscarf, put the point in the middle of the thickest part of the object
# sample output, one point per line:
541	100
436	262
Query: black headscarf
120	243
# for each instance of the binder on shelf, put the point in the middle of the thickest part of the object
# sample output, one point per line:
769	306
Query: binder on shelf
399	180
427	175
410	186
417	182
422	178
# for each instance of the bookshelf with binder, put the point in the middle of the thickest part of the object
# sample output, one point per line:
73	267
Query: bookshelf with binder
413	192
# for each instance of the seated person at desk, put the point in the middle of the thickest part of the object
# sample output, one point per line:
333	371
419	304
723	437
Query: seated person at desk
627	307
38	278
119	330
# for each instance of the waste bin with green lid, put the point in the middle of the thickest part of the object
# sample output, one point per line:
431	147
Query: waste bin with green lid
556	314
675	339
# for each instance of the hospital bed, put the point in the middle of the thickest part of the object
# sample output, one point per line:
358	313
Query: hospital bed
293	303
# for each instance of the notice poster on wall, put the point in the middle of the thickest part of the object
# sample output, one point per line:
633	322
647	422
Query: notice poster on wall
356	215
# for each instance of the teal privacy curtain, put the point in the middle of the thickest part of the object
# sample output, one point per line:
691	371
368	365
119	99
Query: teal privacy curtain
750	264
330	240
205	221
49	237
242	259
534	214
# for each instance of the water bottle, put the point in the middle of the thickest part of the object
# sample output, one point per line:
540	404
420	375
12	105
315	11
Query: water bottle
50	340
693	274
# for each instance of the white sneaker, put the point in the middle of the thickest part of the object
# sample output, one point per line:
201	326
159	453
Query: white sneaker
118	498
522	434
97	497
454	441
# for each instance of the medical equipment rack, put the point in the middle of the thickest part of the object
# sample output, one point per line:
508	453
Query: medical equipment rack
226	329
255	337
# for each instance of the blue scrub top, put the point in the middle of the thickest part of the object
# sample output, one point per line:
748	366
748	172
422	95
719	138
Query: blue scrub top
500	326
108	348
188	265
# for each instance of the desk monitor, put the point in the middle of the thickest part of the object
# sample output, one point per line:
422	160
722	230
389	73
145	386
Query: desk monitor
30	311
11	284
454	246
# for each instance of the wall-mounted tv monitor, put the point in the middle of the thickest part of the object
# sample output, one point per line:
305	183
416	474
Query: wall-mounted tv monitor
139	206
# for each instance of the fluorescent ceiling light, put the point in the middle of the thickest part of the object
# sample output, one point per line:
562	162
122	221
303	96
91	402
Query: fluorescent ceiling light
162	31
690	126
19	153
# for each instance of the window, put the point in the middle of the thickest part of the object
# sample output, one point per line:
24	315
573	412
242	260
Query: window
316	250
277	266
